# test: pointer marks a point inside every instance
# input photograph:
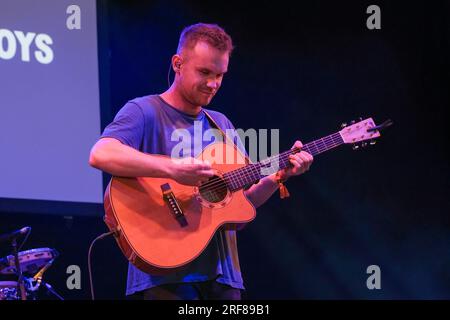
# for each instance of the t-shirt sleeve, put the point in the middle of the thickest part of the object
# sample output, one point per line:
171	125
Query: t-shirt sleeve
127	126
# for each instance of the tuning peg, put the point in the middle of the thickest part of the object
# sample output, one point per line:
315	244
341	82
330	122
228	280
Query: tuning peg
355	147
372	142
343	125
364	144
360	119
352	122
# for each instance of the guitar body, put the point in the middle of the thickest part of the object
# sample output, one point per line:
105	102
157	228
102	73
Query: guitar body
148	232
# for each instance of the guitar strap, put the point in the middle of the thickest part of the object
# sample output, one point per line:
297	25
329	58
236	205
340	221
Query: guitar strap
226	138
284	193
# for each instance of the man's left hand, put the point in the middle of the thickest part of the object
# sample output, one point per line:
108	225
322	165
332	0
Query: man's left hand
300	163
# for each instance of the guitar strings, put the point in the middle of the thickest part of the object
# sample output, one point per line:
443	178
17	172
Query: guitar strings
234	177
252	169
220	185
239	177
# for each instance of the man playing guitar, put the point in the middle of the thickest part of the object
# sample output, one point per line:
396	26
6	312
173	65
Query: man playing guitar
132	144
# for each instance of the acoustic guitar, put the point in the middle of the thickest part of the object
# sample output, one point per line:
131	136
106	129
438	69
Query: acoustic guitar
161	225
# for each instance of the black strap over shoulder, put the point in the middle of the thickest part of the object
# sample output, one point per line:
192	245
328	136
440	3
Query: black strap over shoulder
247	160
210	118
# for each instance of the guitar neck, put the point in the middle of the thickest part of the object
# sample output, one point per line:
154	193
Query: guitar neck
237	179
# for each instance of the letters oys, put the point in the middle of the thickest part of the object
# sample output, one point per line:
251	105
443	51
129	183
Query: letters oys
17	42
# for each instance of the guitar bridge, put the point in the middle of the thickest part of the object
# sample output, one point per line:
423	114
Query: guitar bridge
172	202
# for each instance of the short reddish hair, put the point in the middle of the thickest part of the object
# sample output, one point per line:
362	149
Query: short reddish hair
209	33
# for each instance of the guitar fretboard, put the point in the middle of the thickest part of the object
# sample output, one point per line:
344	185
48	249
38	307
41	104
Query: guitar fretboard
239	178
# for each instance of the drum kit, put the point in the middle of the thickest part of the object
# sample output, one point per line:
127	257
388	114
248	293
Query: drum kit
27	268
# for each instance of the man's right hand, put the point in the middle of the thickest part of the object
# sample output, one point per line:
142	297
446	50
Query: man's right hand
190	171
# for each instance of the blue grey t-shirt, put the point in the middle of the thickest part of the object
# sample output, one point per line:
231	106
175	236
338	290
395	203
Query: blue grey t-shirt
146	124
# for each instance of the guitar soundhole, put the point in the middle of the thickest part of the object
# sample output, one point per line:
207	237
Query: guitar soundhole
214	190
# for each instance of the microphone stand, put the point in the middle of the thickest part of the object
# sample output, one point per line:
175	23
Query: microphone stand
20	280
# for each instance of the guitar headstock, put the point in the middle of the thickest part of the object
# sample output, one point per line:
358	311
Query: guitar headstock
360	133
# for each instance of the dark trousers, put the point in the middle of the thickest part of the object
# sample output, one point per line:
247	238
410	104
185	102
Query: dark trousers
205	290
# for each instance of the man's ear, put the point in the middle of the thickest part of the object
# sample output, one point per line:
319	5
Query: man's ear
176	63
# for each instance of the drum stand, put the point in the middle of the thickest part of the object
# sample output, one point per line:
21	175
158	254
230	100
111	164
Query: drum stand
51	290
33	285
35	282
26	285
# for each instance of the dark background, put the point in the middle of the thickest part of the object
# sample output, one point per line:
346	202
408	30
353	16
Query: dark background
303	69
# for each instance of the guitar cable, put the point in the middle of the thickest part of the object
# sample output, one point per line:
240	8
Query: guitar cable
89	260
